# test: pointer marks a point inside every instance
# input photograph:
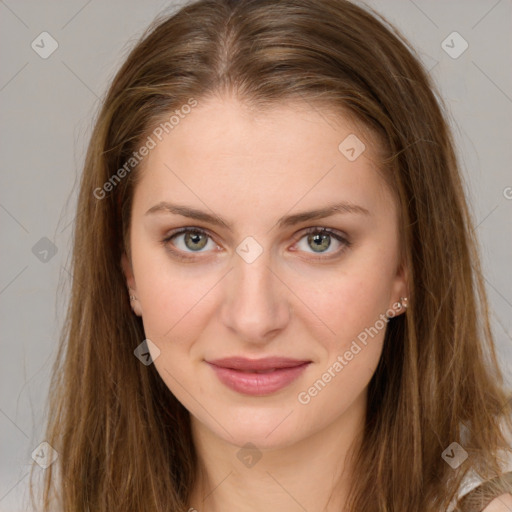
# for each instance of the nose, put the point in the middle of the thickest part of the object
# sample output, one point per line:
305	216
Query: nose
256	306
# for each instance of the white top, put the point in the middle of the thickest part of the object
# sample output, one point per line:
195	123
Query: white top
472	480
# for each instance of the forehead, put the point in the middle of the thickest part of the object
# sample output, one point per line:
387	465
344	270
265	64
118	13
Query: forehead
292	153
226	124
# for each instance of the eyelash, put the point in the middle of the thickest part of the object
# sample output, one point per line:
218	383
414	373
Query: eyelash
313	230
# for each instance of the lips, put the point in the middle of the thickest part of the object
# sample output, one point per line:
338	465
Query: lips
257	376
257	365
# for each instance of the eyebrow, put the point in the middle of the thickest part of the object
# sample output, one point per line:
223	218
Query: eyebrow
285	221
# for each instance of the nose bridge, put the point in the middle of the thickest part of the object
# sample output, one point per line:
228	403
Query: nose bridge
256	303
253	281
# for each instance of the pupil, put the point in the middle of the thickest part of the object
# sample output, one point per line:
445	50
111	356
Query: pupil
320	241
195	238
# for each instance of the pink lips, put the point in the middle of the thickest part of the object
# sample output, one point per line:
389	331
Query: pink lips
257	376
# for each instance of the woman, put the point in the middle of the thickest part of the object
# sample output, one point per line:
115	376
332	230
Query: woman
277	300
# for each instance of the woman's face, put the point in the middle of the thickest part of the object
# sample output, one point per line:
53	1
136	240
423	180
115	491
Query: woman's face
254	277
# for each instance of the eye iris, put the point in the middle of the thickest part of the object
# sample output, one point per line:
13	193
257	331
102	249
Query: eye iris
320	241
195	238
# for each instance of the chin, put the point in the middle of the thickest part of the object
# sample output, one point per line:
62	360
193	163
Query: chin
269	429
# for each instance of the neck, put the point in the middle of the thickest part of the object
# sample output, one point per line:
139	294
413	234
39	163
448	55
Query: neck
312	474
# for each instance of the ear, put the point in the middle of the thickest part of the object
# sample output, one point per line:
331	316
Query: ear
399	290
130	281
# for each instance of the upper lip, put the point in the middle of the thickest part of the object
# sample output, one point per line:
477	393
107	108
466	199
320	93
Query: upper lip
267	363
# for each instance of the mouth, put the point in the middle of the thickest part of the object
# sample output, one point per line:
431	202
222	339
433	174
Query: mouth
257	371
257	377
257	365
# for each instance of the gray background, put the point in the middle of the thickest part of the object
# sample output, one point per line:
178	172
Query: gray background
47	109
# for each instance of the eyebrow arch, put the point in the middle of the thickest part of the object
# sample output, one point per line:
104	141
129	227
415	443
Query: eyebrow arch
285	221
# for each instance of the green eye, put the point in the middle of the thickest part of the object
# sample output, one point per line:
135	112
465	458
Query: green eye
319	240
195	240
189	239
186	241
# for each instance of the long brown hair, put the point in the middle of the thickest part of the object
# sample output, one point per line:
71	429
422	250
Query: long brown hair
123	439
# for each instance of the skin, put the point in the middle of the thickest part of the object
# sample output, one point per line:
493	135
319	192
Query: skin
502	503
251	169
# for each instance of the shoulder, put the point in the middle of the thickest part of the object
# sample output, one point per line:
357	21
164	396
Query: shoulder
501	503
491	496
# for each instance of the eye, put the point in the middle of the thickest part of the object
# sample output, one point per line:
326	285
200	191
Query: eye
321	239
191	240
188	240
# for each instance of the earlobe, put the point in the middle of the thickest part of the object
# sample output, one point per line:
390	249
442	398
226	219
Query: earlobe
400	292
401	305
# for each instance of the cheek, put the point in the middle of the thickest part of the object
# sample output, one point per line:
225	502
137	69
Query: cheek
173	297
347	301
333	303
353	306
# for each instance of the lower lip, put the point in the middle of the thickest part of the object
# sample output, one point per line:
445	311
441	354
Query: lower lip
258	384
